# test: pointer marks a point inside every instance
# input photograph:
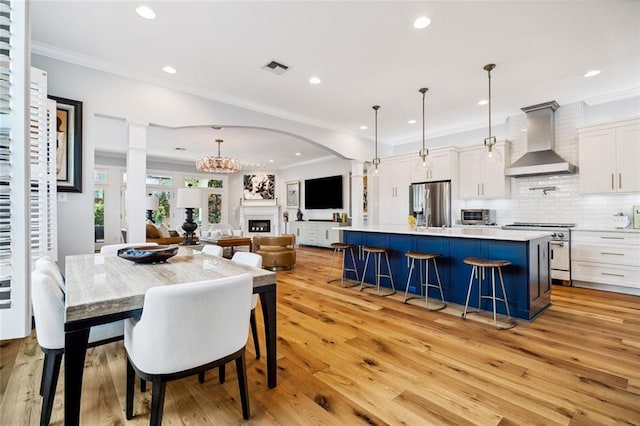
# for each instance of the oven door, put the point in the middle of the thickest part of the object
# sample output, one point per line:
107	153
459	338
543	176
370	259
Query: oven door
560	262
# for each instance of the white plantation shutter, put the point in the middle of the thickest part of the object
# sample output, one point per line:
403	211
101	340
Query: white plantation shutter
15	295
51	186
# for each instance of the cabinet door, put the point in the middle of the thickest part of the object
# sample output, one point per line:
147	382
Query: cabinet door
394	177
469	174
493	183
295	229
597	158
628	153
440	167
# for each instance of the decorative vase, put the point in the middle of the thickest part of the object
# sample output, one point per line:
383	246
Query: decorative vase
299	214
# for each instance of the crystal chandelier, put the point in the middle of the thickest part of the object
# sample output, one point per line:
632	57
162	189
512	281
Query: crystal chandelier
221	165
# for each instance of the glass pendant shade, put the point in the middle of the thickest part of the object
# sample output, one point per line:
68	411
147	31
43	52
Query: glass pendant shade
219	165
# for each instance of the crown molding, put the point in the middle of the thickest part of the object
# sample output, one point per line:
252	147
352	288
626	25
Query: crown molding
611	97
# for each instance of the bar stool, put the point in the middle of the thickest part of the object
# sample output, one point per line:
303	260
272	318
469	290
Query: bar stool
340	247
377	260
479	267
423	262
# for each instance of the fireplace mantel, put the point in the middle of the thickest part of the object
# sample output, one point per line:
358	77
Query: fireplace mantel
260	212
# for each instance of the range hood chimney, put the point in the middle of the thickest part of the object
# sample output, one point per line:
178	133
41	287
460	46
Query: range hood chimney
540	158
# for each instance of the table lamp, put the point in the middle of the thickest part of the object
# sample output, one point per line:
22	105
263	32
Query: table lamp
189	199
151	204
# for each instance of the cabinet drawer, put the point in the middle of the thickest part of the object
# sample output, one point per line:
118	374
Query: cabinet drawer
624	276
610	254
609	238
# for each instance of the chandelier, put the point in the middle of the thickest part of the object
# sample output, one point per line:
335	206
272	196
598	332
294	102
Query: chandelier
221	165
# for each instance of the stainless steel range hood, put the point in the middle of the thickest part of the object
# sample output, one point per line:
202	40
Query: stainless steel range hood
540	158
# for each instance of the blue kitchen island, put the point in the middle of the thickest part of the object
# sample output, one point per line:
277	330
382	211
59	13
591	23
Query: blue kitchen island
527	279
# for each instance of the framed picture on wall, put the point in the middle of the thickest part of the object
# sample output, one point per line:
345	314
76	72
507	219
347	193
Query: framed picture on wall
68	144
293	195
259	187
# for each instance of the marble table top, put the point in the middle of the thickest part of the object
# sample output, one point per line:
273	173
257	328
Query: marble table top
97	285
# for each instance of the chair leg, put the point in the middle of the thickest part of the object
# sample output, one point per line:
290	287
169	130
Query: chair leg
201	376
143	385
406	290
157	401
364	271
331	265
353	262
221	373
50	371
241	369
131	378
254	332
466	303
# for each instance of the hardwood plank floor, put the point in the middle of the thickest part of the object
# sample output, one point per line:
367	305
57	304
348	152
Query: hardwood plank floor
349	357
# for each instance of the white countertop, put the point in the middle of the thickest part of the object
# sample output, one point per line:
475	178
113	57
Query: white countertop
458	232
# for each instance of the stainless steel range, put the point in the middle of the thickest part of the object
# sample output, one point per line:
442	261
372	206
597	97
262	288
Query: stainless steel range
560	247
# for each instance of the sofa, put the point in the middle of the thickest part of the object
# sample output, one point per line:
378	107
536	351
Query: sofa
162	235
278	251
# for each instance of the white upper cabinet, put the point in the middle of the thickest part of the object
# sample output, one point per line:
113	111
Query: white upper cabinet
394	180
441	165
484	180
609	156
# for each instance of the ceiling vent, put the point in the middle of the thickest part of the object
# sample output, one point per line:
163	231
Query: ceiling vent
276	67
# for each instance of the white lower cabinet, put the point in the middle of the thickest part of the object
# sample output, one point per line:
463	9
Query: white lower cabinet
319	234
608	260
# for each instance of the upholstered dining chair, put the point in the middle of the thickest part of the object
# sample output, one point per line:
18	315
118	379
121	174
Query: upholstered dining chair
48	310
213	250
47	265
195	326
255	260
112	249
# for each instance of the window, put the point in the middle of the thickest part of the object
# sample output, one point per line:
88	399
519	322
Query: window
100	176
159	180
162	215
98	215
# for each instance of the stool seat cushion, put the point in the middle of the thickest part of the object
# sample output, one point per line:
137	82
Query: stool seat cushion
488	263
418	255
375	249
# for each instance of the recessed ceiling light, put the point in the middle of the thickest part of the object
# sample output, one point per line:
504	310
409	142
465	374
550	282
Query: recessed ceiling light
363	127
411	121
297	153
271	161
315	80
421	23
591	73
169	70
483	102
146	12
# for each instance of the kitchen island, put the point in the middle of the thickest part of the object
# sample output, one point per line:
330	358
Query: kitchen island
527	279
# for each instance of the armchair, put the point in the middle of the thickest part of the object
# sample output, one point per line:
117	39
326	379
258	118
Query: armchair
278	252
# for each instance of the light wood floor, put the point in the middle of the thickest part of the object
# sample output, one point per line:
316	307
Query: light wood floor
347	357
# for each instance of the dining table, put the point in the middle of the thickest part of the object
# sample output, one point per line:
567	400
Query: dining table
103	289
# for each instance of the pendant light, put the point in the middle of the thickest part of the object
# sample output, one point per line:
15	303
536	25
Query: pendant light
424	152
218	164
376	159
490	156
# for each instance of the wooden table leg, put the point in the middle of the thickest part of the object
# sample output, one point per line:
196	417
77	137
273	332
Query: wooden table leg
75	348
268	303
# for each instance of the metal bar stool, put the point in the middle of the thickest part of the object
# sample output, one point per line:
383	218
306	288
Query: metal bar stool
377	259
340	247
478	270
423	261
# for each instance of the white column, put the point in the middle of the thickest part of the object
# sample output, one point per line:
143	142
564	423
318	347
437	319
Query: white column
357	193
136	182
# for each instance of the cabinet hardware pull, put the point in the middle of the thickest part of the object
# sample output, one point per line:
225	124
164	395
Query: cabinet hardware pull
612	187
483	189
612	254
613	275
556	243
478	189
612	238
619	180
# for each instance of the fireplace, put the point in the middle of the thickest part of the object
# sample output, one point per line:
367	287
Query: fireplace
259	225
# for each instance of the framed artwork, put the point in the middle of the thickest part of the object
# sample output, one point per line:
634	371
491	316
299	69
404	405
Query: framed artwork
68	144
259	187
293	195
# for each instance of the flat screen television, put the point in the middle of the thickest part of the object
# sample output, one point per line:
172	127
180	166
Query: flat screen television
323	193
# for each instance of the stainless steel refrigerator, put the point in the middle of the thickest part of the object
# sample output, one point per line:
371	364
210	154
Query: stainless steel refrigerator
430	203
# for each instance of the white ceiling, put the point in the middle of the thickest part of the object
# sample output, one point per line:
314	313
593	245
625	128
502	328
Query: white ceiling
366	53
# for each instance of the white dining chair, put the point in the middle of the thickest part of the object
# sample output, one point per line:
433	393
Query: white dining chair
112	249
48	310
195	327
47	265
255	260
213	250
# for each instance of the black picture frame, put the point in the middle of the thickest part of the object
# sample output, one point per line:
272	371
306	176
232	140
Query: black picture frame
68	144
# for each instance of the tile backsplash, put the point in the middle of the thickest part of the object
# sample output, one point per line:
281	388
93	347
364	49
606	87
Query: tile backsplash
564	204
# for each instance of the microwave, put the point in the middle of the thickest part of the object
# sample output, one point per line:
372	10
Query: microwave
478	217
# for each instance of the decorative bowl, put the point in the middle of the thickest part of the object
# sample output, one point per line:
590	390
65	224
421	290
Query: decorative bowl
148	254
